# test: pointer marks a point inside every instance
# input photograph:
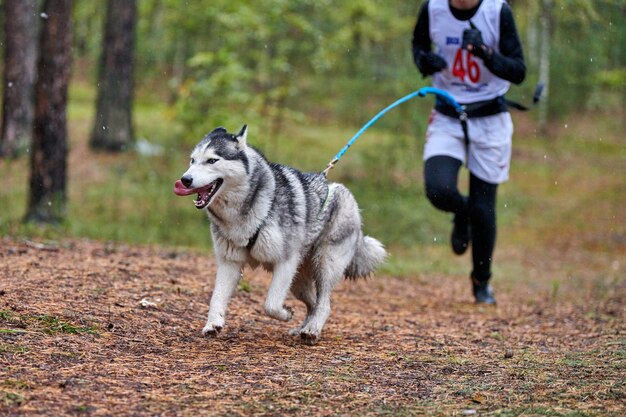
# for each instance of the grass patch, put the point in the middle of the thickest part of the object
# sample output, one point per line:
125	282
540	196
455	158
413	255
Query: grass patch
542	411
559	186
82	409
50	324
11	399
12	349
12	331
15	384
244	286
54	325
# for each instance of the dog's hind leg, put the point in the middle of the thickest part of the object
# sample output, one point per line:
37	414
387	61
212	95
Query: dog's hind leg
303	288
282	278
228	275
331	263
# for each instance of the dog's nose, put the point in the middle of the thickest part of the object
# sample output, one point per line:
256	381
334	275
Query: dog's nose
187	180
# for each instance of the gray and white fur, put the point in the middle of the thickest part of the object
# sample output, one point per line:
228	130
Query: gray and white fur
303	229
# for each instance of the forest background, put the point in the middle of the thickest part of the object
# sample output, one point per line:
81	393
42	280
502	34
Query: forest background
305	75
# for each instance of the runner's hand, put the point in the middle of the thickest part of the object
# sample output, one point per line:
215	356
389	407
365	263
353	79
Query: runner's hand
473	42
430	63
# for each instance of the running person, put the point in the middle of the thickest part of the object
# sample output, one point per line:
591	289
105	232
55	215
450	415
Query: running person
477	54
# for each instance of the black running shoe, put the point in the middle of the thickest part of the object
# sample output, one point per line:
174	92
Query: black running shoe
460	234
483	293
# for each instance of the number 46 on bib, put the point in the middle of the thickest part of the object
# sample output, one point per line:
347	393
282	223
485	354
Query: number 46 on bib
465	65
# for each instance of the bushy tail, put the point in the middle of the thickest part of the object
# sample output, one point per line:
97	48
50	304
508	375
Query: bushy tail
369	254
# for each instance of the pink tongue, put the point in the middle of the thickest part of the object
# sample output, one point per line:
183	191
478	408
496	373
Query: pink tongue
180	189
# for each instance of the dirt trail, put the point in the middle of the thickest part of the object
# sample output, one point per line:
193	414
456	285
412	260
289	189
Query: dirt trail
88	328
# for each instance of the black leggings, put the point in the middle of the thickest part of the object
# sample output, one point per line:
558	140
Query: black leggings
441	175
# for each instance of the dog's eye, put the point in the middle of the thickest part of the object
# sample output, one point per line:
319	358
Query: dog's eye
211	160
193	161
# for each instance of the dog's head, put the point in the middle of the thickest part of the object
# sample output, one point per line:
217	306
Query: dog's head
220	157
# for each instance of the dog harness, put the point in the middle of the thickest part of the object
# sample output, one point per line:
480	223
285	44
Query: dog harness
329	195
325	204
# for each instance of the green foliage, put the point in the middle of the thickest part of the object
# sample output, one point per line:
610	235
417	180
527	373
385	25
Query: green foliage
613	79
250	71
586	46
88	20
271	61
257	59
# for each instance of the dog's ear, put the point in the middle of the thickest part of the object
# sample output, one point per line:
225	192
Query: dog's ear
241	137
218	130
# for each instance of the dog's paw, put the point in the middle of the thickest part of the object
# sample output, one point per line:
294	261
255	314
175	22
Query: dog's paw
308	338
310	334
294	331
289	312
284	313
211	330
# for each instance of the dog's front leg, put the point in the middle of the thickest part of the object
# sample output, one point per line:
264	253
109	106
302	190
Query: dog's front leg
279	287
228	275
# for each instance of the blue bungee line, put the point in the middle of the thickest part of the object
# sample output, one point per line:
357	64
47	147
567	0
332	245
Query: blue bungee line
422	92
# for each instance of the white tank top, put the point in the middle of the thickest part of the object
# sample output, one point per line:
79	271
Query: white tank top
466	78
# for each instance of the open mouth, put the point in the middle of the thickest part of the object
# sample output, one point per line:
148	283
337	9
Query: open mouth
205	194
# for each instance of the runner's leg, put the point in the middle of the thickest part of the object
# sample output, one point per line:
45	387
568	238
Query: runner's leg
482	209
441	175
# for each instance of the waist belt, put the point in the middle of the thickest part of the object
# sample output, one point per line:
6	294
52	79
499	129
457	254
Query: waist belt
482	108
477	109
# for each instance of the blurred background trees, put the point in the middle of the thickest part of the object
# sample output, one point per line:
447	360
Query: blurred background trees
576	47
113	126
281	65
270	59
20	52
48	153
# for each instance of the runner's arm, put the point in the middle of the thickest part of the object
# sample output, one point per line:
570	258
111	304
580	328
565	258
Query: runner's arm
426	61
508	64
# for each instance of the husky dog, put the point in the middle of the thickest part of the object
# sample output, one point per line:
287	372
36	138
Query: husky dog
304	230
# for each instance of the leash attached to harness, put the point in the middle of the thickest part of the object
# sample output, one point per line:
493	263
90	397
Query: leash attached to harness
421	93
343	150
461	113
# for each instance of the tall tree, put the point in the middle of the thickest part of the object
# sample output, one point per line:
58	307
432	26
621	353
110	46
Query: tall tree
113	128
547	8
20	53
47	199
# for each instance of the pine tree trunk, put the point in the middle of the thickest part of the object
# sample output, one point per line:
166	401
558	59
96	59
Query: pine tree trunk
113	129
532	37
546	11
178	69
47	199
20	53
